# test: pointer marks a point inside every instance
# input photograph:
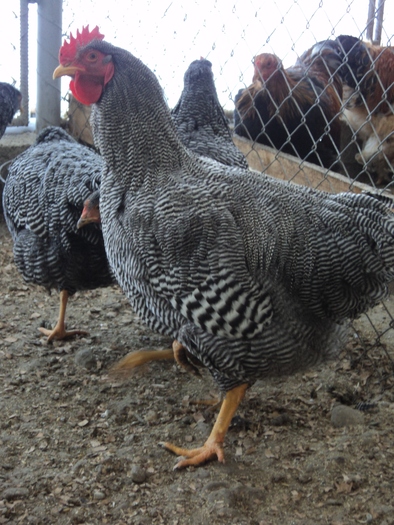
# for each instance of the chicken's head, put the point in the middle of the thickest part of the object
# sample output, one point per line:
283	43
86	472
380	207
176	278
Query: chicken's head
89	68
91	210
265	66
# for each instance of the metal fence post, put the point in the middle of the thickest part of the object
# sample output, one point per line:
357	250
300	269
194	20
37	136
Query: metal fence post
23	120
49	36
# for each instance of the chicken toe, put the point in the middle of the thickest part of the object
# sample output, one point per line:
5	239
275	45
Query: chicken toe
213	447
60	332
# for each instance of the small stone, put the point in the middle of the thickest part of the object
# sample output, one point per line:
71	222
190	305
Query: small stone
151	416
281	420
14	493
138	474
368	439
345	416
213	486
97	494
85	358
384	510
227	497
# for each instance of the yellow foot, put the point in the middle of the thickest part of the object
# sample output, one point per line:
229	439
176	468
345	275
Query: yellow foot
196	456
58	333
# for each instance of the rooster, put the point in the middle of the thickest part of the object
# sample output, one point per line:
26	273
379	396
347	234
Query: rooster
294	110
10	103
254	276
368	77
42	200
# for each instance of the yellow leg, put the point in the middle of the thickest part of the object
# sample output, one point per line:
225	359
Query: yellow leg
59	332
213	447
135	359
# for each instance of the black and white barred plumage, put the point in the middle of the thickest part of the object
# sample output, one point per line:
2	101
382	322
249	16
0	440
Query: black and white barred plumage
43	198
200	119
10	100
254	276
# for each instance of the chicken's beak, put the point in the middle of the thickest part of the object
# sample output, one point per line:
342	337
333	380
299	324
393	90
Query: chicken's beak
62	71
83	221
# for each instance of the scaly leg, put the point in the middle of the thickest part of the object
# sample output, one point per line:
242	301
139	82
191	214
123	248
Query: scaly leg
135	359
59	332
213	447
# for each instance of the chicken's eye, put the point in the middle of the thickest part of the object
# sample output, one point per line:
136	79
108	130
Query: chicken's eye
92	56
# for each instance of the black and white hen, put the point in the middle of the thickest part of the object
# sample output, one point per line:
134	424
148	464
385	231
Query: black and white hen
200	119
43	198
255	277
10	101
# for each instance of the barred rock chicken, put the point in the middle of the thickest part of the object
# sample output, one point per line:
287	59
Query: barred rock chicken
253	276
10	102
294	110
200	119
42	201
368	77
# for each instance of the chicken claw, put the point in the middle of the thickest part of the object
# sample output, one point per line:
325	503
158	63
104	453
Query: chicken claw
60	332
197	456
213	446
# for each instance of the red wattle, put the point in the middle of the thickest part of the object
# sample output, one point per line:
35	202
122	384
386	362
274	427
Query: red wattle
86	91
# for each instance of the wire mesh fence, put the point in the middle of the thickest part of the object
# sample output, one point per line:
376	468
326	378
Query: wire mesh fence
167	37
318	108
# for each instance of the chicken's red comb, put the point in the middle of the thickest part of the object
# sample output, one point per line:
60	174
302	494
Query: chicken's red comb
68	50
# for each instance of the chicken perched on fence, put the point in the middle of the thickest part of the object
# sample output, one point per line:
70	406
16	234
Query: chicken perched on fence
42	201
368	77
255	277
294	110
200	119
10	102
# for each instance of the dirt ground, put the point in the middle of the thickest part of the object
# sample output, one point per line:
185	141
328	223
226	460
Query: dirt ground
76	447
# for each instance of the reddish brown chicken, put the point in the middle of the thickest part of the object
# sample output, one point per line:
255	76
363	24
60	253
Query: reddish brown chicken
294	110
368	77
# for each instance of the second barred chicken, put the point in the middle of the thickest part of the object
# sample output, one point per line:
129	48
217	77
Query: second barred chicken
43	199
200	120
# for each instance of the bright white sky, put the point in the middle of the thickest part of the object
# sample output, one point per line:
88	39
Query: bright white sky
168	35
